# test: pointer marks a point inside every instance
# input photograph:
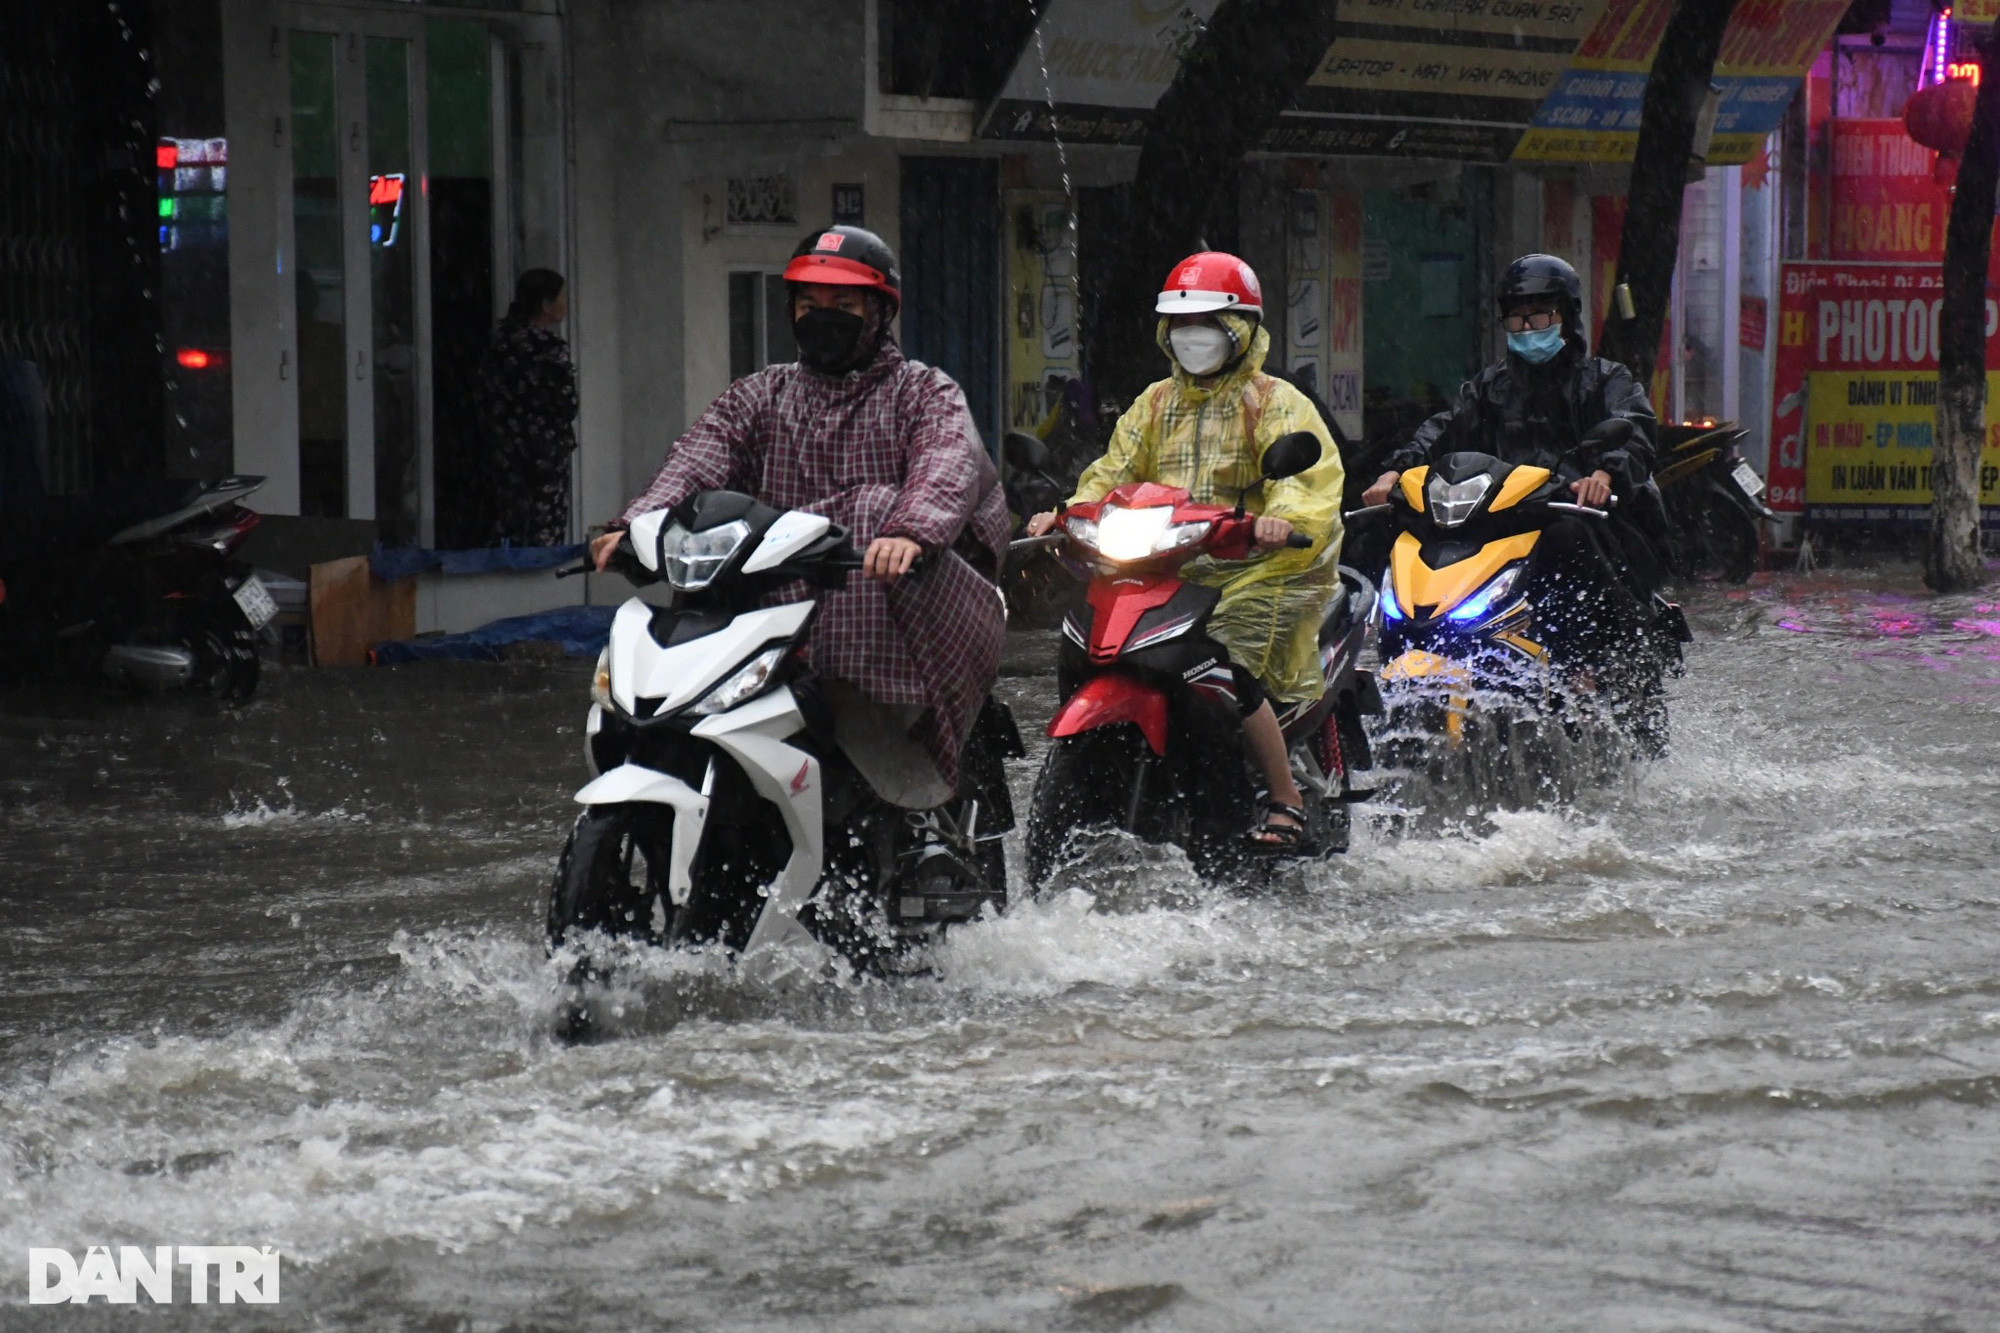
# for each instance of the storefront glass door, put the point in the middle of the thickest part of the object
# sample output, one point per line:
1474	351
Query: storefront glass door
425	175
357	227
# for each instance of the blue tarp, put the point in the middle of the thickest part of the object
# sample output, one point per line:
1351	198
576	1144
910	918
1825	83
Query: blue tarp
581	630
389	563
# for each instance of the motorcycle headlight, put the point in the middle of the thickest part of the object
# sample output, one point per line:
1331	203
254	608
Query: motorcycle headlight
600	680
1452	502
743	684
691	560
1477	606
1135	534
1390	609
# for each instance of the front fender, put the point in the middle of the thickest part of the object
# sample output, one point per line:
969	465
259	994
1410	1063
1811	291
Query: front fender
1112	698
628	783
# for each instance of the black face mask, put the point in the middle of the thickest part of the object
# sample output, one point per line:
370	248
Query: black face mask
828	339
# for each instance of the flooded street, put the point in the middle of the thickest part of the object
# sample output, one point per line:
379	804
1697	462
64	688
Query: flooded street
1718	1050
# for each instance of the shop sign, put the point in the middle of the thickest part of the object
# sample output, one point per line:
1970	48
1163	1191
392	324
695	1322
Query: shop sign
1886	204
1091	72
1042	333
1323	300
1855	391
1752	322
1593	113
1434	78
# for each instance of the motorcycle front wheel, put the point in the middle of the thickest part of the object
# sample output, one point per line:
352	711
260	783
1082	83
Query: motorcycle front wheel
612	875
1085	783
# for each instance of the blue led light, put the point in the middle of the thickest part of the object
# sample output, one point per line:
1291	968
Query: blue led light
1390	611
1476	606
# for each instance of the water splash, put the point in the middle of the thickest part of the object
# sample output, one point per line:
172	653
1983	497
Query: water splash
1062	158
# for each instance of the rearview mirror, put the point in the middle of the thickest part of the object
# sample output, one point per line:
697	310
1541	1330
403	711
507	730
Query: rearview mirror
1024	452
1291	455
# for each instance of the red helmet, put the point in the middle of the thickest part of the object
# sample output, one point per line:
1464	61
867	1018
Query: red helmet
846	257
1211	281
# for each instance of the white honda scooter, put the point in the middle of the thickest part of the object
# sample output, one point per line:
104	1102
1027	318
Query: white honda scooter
723	809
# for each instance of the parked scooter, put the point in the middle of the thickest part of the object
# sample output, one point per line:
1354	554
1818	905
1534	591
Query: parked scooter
1149	738
142	589
722	808
1714	505
1035	484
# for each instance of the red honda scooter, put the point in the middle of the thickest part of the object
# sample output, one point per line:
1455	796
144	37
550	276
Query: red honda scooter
1149	736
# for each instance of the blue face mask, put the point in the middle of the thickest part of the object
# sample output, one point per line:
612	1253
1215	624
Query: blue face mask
1536	345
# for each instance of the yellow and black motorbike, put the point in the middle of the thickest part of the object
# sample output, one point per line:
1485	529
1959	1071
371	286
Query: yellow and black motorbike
1473	619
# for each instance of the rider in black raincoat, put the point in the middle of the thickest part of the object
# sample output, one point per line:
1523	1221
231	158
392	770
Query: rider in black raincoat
1535	406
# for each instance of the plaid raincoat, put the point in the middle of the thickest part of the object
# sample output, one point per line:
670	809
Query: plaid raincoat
885	451
1211	441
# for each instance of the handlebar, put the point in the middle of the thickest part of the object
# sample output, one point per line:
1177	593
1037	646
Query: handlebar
1298	541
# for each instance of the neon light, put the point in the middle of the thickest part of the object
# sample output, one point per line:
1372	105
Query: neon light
1964	69
193	358
385	206
167	207
1941	44
168	155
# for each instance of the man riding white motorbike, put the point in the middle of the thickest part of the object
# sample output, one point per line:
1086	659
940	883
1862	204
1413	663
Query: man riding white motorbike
890	675
886	447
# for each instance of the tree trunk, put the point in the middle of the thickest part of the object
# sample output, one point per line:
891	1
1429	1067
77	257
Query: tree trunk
1651	240
1951	557
1245	67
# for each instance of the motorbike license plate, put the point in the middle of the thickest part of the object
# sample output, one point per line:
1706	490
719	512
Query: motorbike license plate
258	608
1746	477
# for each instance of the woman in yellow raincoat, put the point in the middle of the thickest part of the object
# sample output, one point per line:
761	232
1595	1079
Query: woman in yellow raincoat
1206	429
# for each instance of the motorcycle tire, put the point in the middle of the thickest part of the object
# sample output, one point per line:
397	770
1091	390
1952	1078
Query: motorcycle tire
612	875
1715	541
1080	787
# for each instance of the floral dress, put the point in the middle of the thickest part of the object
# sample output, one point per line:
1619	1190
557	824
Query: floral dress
528	407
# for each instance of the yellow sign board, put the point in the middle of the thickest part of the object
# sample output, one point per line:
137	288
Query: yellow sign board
1870	436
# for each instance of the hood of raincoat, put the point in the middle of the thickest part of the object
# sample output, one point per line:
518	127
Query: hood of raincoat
1248	333
1210	439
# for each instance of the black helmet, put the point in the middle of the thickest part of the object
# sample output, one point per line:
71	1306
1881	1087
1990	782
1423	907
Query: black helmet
846	256
1541	275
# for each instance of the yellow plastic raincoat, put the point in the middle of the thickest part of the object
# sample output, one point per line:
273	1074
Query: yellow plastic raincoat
1211	441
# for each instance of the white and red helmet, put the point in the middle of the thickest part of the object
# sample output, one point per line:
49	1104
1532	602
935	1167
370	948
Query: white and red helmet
1204	283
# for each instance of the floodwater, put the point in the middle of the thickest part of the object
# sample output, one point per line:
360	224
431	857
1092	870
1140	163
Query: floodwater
1718	1049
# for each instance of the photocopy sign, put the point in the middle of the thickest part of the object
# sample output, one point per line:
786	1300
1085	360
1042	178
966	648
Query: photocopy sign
1856	392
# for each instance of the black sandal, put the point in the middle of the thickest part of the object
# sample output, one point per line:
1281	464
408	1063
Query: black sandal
1279	839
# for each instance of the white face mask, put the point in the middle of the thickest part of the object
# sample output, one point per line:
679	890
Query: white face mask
1201	350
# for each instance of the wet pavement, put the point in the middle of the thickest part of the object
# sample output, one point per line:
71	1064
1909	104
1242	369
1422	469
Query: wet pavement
1719	1048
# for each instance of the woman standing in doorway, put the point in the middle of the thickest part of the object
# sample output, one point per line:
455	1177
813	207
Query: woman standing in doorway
528	403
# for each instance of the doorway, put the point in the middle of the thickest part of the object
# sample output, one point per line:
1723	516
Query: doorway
358	226
423	173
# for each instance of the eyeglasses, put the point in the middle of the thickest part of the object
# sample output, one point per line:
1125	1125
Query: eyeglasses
1523	320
